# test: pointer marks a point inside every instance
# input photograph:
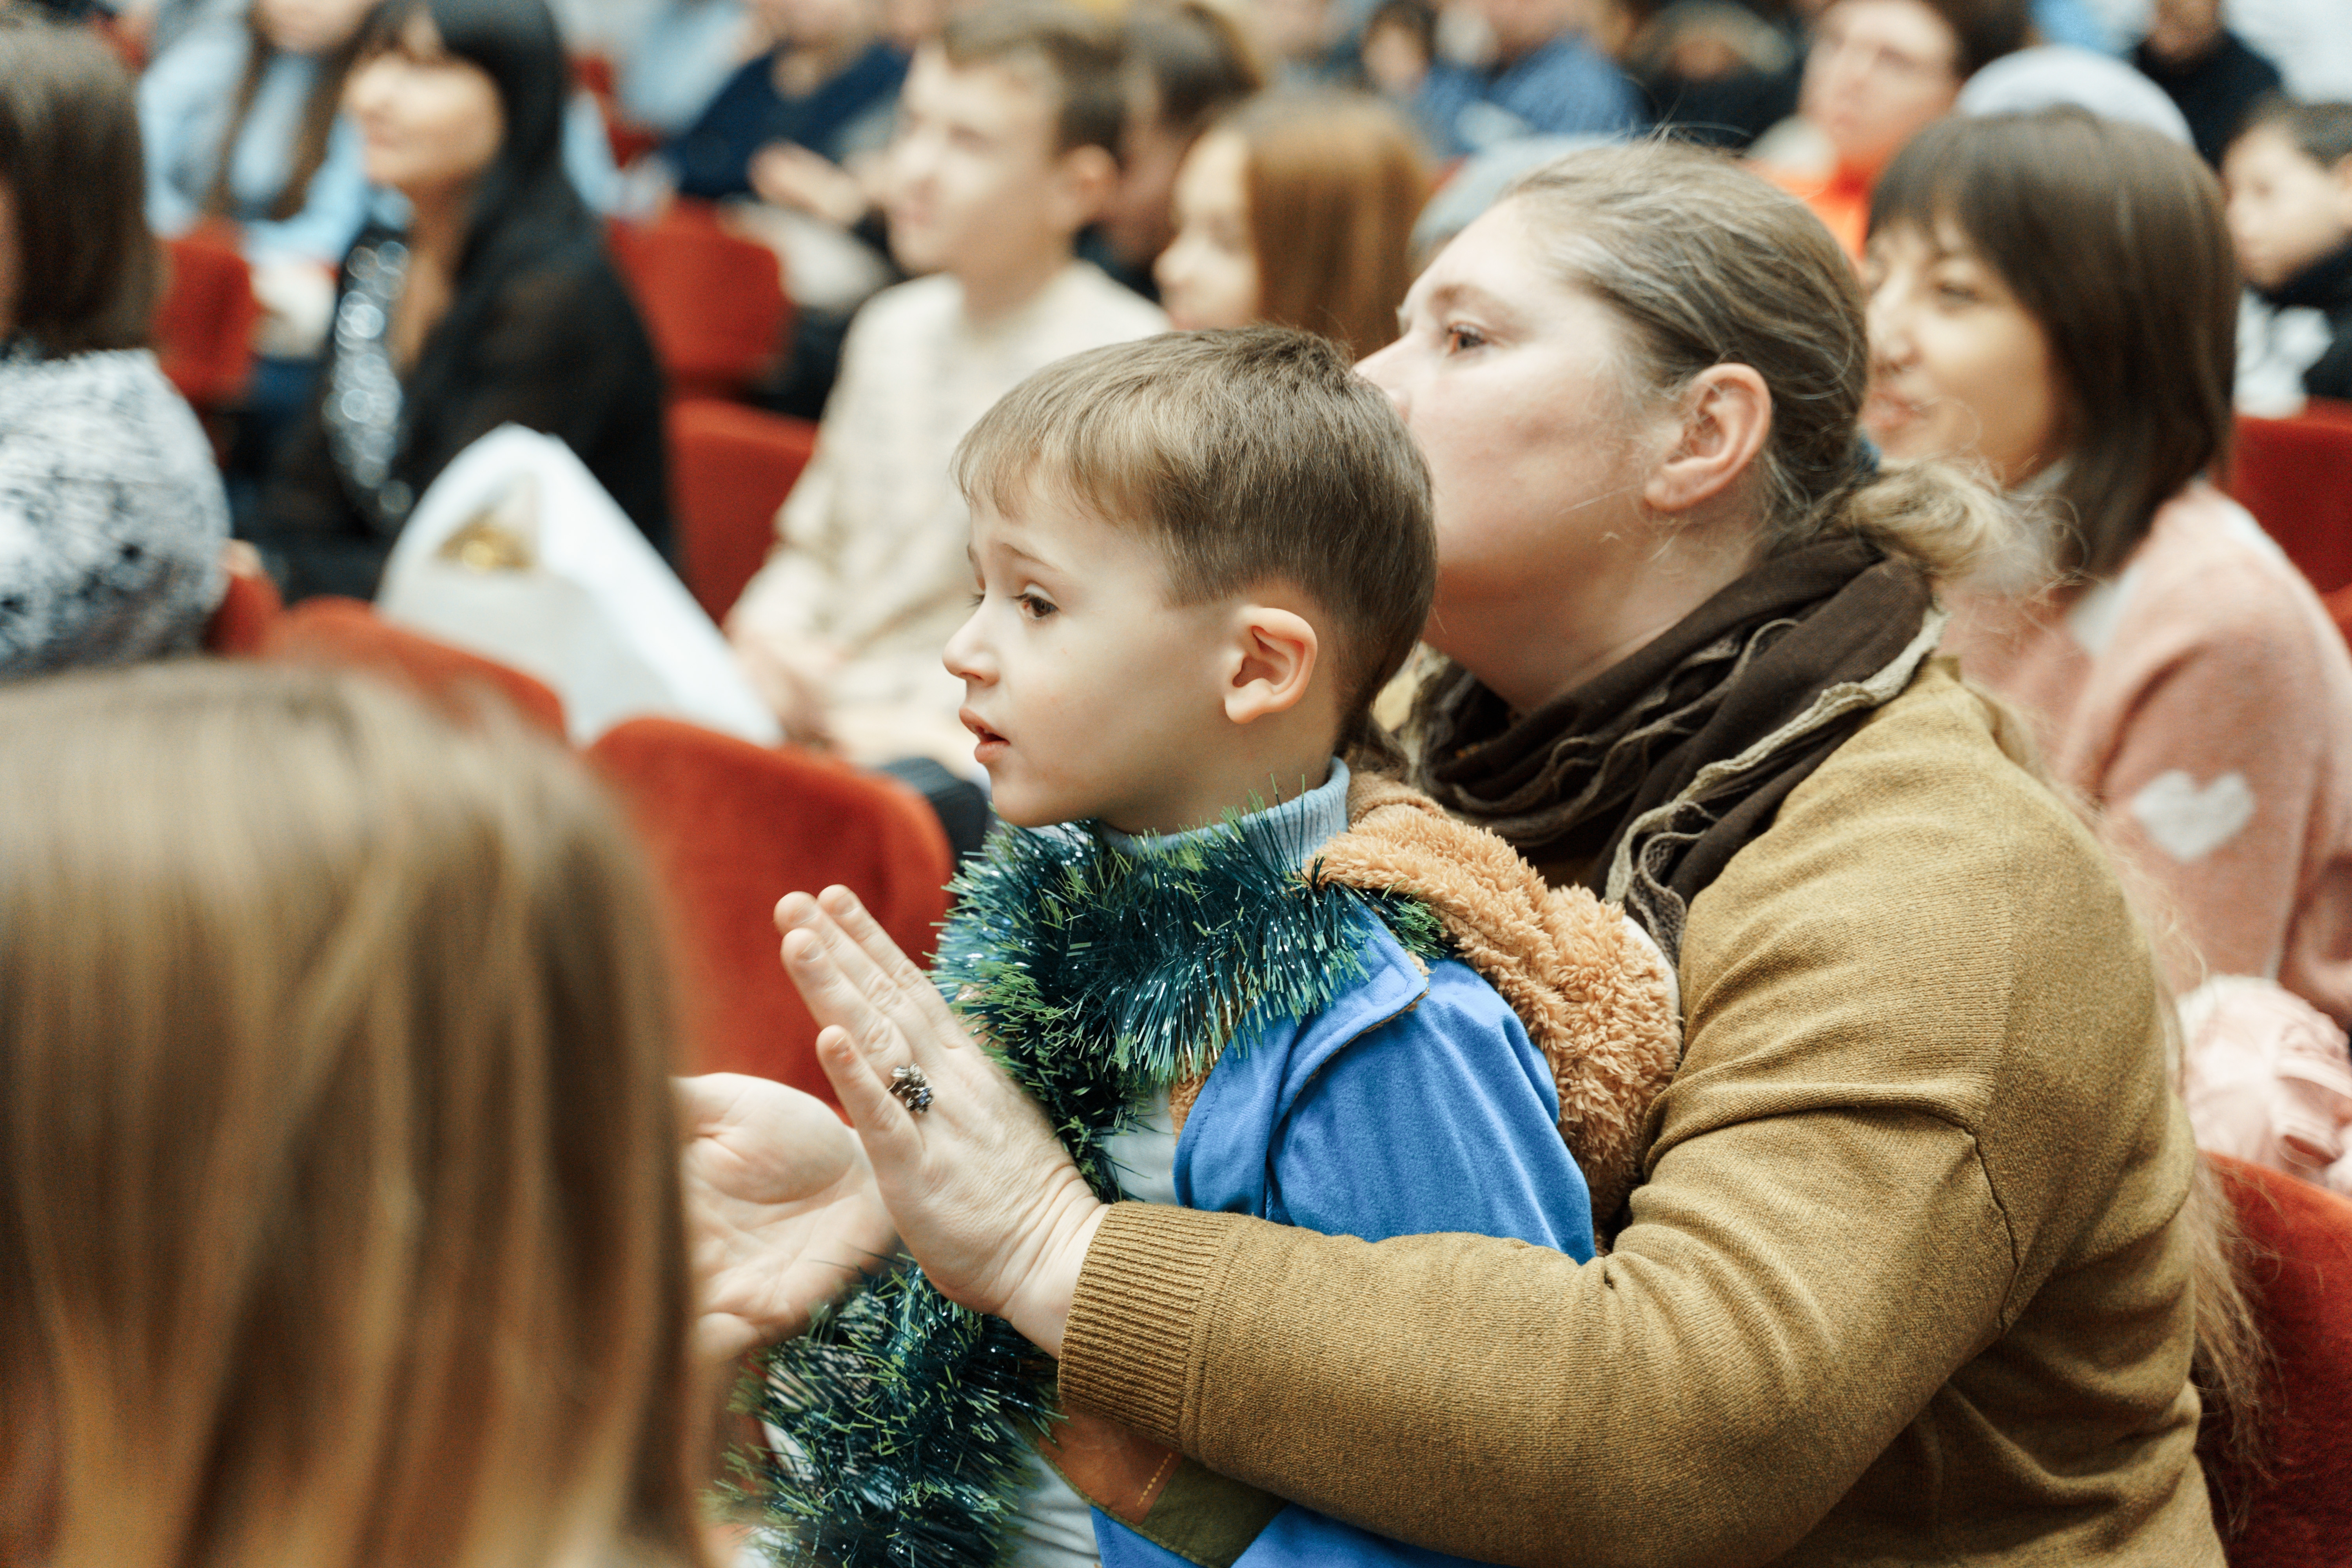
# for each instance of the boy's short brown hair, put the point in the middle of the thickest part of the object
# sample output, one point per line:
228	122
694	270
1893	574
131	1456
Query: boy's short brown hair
2320	131
1252	455
1080	54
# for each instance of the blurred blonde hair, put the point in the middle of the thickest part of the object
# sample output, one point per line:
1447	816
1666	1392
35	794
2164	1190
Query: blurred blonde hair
339	1211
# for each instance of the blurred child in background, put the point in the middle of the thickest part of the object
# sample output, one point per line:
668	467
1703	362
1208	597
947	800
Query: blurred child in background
1187	63
1298	210
2289	175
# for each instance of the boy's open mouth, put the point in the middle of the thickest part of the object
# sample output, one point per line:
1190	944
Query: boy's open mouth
989	741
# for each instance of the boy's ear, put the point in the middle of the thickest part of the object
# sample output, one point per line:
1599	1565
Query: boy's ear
1271	662
1083	178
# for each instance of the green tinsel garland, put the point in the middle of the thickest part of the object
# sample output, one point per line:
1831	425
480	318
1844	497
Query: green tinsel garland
1100	978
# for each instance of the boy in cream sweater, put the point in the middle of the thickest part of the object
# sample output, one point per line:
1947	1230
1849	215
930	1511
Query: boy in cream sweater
1003	154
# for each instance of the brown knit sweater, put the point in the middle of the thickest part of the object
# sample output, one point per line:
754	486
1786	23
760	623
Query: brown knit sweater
1903	1284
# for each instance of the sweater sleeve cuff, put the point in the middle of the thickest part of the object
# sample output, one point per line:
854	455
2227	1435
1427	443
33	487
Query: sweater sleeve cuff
1129	1348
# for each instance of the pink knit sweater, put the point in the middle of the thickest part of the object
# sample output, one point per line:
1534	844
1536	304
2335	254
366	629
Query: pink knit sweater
2203	699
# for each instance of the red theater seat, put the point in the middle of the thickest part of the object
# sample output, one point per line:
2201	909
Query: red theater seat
2299	1514
2295	475
205	320
731	468
713	301
346	632
243	620
731	828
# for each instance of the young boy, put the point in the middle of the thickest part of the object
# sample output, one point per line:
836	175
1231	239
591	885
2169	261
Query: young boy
2289	175
1002	153
1235	979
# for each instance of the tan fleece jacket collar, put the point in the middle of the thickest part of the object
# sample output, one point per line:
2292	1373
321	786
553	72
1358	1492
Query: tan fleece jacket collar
1592	991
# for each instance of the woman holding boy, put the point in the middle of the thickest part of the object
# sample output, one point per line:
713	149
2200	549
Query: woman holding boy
1913	1270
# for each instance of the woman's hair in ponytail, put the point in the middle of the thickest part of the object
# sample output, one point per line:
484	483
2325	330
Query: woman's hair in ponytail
1704	264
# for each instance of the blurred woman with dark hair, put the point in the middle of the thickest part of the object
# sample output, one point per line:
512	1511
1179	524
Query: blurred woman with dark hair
1298	209
111	516
495	304
2054	295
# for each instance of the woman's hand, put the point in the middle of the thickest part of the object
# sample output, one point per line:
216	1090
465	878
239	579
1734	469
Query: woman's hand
782	1208
983	1193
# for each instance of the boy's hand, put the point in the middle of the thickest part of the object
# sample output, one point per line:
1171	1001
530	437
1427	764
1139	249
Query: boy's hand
983	1193
794	679
786	175
782	1212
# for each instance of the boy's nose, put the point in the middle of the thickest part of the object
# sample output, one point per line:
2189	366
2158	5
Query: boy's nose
966	654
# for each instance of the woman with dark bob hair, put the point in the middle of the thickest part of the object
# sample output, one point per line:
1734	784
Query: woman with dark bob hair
1921	1254
494	304
111	515
2054	296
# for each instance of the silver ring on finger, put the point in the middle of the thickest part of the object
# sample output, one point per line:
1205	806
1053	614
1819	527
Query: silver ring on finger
910	1089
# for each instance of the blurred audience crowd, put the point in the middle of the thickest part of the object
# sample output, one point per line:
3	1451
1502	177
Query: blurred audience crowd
2094	240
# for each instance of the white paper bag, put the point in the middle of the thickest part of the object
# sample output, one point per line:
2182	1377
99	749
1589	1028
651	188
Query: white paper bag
517	554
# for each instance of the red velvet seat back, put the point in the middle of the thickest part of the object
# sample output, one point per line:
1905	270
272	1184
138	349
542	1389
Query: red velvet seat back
243	620
205	320
2300	1514
731	828
713	301
346	632
2295	475
731	467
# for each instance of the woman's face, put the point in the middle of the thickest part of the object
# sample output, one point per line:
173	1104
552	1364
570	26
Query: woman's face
1958	366
1208	275
309	26
1511	384
1879	73
430	121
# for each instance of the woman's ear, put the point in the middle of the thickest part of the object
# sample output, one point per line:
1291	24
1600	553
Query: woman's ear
1726	419
1272	664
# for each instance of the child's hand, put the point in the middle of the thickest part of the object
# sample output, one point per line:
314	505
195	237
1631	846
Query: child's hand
781	1204
984	1196
794	679
786	175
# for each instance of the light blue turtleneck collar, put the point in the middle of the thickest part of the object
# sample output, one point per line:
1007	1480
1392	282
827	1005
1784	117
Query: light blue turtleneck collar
1295	830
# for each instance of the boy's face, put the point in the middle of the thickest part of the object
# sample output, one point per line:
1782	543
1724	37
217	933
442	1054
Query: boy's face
2285	211
976	187
1088	693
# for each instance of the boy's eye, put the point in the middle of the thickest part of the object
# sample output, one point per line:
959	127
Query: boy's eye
1036	605
1460	339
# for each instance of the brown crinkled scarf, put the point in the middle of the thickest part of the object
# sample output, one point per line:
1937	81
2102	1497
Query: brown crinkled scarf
1652	776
